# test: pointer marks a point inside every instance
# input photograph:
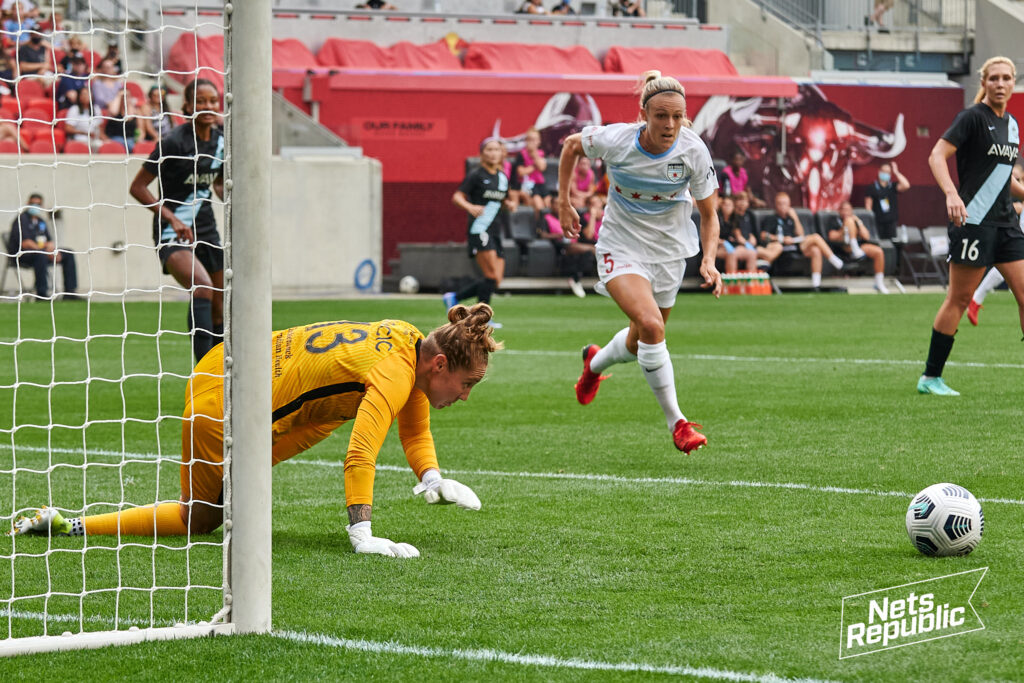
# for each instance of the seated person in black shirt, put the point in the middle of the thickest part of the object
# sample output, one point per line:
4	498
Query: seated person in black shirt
31	242
782	233
849	237
732	247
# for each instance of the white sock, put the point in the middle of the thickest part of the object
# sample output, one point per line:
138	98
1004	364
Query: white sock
613	352
836	262
657	365
880	283
855	249
993	278
816	279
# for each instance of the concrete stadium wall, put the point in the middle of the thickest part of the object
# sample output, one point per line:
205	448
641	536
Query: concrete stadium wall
999	25
326	222
761	44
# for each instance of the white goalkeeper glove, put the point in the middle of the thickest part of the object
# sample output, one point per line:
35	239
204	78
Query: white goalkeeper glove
445	491
363	541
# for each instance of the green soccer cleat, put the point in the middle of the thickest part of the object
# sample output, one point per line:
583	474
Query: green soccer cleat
934	385
46	520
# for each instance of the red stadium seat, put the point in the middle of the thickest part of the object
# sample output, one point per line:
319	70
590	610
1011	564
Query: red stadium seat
76	147
41	105
9	110
112	148
31	129
42	146
30	88
8	147
143	148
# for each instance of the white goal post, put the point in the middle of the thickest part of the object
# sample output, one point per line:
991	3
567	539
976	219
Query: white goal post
245	549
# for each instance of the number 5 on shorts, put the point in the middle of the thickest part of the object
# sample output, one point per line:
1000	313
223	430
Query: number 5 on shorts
609	263
969	253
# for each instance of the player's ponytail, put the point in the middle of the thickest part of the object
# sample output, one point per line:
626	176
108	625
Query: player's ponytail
983	72
466	339
652	83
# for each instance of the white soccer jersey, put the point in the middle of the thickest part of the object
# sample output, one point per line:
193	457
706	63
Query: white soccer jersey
649	197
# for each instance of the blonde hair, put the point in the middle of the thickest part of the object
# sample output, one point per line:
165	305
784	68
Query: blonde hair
983	72
466	339
653	83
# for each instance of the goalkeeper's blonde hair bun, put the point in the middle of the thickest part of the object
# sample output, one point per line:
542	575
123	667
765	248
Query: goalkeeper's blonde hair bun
466	340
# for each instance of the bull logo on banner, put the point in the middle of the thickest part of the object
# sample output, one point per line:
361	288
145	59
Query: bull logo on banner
807	148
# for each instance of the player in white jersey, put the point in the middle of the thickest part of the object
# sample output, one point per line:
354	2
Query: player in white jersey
657	167
993	278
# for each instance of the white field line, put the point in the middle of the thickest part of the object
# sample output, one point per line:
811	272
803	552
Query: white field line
564	476
782	359
477	655
488	655
670	481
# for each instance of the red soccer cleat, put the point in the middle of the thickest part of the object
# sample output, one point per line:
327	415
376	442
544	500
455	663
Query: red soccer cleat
686	438
588	383
972	312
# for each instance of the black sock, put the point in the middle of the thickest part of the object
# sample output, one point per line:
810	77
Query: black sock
469	290
200	323
487	287
218	333
938	353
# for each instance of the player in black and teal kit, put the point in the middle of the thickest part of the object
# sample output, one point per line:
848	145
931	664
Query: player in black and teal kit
983	225
482	195
189	165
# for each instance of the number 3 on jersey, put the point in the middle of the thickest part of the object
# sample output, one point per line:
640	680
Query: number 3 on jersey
609	264
969	250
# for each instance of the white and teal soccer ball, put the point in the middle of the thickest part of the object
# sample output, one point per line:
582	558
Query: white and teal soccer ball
945	519
408	285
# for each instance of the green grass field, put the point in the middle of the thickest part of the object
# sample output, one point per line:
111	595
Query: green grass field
600	551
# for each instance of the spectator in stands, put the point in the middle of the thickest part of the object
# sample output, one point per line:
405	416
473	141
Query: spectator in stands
20	20
849	237
627	8
122	124
744	226
157	117
565	8
578	255
735	179
106	84
31	241
69	84
189	168
482	195
732	247
35	57
376	4
9	131
782	233
85	121
532	7
529	167
8	72
114	55
584	184
882	200
76	48
881	7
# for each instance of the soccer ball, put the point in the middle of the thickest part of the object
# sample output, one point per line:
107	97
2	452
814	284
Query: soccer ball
945	519
408	285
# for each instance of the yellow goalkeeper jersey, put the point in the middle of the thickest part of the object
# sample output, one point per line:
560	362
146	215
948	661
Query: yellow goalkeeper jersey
327	373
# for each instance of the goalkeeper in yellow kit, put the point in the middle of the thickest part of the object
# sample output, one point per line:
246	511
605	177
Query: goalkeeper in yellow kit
324	374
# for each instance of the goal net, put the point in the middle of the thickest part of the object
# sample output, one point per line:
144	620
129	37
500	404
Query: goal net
98	341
